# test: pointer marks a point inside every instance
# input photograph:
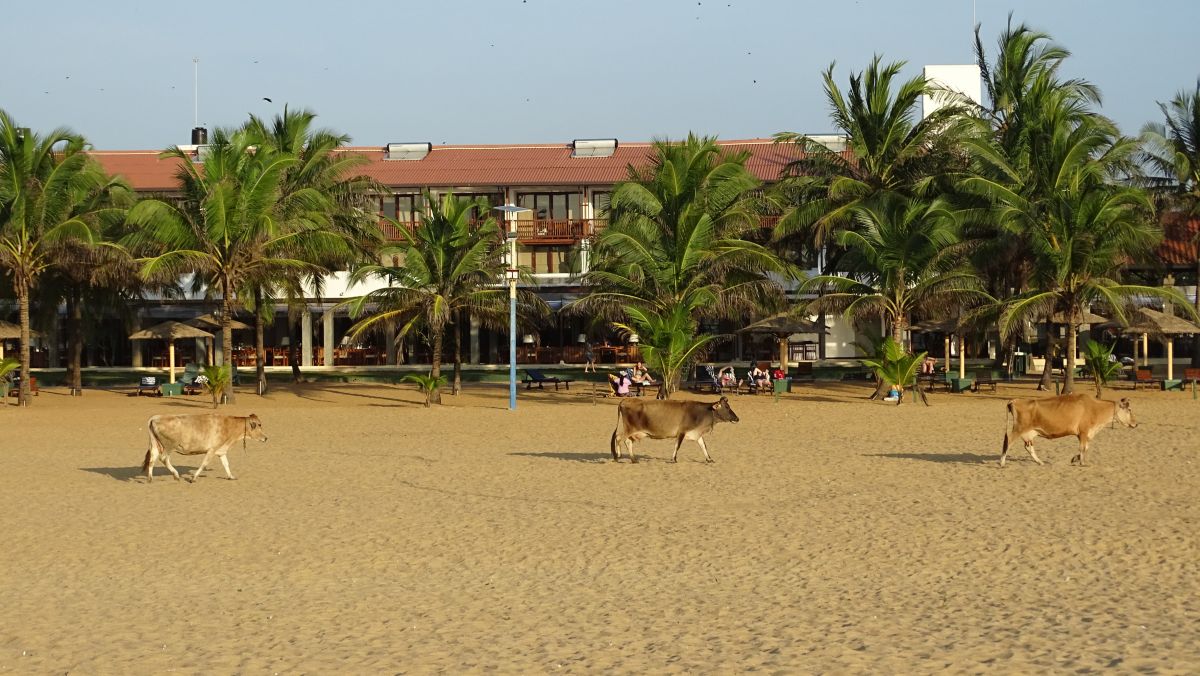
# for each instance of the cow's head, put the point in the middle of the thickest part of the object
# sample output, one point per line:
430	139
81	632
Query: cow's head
254	428
1125	413
722	411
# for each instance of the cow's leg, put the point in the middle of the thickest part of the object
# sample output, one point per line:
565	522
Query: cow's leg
1004	451
225	463
629	447
678	443
707	457
203	463
1083	444
166	458
1028	439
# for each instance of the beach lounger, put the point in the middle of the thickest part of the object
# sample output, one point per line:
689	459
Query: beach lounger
535	377
704	379
148	385
188	379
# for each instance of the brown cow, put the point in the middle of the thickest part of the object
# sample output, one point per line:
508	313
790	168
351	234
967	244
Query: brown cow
210	434
1077	415
662	419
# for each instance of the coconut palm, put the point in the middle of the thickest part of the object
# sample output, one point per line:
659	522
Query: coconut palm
1080	226
232	225
903	257
676	248
895	367
321	167
1172	156
889	148
1036	132
451	265
1103	367
48	199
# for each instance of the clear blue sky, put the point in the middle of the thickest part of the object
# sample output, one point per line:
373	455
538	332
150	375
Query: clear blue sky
513	71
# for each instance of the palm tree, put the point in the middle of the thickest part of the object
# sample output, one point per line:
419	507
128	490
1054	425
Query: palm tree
1079	225
889	148
675	249
1032	119
323	169
1172	154
451	265
48	189
232	225
904	257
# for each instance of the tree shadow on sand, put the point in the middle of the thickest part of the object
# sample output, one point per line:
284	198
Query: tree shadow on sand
949	458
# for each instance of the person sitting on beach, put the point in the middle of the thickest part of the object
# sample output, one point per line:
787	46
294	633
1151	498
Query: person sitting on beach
641	375
726	377
929	365
759	378
620	383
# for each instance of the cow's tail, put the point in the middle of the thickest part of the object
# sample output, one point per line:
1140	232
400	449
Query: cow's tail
613	443
1010	414
146	462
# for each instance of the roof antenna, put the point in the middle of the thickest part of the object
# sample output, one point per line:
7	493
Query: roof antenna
195	91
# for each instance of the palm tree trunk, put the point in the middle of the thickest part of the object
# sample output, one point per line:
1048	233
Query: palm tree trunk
227	342
75	341
1044	383
294	357
435	396
260	351
1069	361
457	386
23	301
1196	339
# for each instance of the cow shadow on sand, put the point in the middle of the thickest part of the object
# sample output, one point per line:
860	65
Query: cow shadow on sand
138	475
944	458
124	473
573	457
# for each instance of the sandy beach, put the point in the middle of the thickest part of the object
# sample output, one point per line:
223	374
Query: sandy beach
372	535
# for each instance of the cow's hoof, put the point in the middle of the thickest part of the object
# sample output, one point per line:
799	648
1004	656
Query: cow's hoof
633	460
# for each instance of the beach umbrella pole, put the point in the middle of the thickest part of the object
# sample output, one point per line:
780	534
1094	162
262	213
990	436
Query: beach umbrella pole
1170	359
171	361
962	357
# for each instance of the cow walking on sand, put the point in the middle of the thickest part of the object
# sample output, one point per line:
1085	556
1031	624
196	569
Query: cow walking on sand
1071	415
665	419
210	434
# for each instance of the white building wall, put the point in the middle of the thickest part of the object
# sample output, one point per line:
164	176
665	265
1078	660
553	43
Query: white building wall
963	79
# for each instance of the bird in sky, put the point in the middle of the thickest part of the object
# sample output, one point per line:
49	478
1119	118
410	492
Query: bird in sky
267	100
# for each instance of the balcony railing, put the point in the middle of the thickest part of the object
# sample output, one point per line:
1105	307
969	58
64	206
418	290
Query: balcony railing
550	230
534	231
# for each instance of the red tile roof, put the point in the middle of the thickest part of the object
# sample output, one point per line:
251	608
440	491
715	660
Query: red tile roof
1178	247
476	165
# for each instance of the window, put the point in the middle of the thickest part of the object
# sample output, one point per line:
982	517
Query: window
553	205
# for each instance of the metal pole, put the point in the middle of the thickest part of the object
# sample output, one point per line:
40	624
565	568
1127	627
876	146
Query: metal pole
512	320
513	329
195	91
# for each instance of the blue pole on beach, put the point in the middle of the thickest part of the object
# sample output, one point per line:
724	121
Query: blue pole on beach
512	346
510	212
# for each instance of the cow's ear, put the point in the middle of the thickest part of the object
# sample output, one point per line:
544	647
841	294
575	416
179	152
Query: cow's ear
1124	402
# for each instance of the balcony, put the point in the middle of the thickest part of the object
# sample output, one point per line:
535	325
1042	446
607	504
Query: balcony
531	231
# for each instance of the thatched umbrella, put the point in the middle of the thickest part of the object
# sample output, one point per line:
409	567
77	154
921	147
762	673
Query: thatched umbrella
1149	321
211	321
1086	317
781	326
8	331
170	331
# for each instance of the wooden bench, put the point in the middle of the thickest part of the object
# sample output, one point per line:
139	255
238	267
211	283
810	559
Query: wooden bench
1191	376
1146	378
983	379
